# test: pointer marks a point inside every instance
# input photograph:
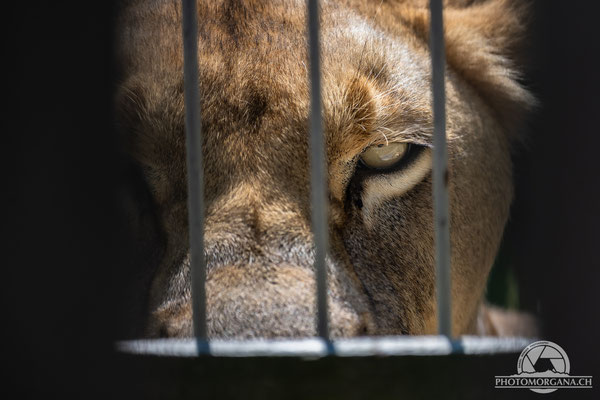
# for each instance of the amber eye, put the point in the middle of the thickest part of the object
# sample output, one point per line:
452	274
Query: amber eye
384	156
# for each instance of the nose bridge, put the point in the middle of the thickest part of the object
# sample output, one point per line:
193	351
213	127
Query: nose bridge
249	222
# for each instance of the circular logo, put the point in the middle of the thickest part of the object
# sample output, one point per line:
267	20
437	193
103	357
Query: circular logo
543	359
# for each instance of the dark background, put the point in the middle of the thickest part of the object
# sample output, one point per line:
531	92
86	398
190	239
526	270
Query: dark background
68	255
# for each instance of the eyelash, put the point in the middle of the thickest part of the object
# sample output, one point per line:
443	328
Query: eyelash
412	152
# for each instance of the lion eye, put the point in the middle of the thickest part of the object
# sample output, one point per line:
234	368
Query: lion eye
384	156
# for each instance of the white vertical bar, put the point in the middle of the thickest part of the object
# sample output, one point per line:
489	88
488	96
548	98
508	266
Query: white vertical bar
440	171
318	170
195	173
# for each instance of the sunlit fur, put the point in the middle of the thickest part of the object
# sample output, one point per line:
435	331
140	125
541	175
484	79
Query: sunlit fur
254	105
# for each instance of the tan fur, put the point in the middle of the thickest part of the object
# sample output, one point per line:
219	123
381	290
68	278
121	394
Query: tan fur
376	88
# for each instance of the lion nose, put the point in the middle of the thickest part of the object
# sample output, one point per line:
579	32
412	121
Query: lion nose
263	302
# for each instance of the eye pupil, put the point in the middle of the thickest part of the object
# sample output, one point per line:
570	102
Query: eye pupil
383	156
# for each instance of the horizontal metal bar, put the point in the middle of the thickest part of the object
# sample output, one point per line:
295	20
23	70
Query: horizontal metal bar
319	347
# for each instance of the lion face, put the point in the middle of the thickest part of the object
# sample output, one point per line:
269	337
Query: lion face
378	127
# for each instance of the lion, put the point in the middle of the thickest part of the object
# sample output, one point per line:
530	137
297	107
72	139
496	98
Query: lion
376	93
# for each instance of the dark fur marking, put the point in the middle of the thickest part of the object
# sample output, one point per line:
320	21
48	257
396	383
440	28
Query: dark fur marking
234	12
257	107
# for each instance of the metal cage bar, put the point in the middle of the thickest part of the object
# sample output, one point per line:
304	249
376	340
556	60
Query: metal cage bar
440	171
319	347
195	174
318	170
